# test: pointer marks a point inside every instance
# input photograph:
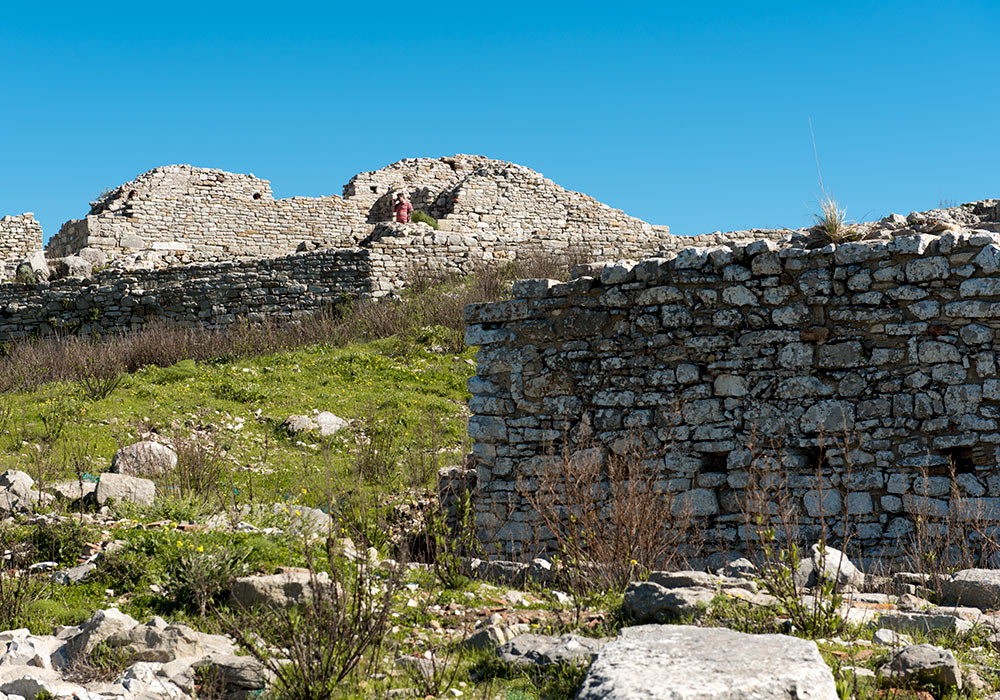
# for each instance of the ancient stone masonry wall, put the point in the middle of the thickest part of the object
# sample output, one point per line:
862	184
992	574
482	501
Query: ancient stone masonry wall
19	237
188	214
213	295
715	357
181	214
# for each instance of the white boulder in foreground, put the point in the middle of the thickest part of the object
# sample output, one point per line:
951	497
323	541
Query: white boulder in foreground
680	662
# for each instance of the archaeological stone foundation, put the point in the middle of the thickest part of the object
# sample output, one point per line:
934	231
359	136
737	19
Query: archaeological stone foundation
746	363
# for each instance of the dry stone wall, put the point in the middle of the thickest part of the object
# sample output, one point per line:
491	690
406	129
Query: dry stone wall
181	214
186	214
19	237
711	363
212	295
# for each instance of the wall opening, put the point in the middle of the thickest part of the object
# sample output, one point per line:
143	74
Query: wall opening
963	460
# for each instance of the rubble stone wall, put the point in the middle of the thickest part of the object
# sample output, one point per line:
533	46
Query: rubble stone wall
188	214
212	295
714	363
181	214
19	237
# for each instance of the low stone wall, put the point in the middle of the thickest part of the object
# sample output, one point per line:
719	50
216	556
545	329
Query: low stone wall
19	237
211	295
715	362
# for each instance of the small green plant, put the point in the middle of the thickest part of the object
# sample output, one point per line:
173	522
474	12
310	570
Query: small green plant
420	216
61	541
25	275
200	577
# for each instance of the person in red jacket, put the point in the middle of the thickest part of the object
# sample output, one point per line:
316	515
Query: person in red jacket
403	209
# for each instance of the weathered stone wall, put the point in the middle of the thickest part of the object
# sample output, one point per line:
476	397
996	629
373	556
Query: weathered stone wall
19	237
713	358
213	295
181	214
187	214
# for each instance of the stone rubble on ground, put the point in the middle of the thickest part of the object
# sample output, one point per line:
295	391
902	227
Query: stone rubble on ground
923	663
143	459
163	666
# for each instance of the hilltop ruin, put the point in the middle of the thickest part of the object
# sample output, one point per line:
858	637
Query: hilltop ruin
195	246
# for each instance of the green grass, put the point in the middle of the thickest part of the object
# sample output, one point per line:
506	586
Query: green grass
54	431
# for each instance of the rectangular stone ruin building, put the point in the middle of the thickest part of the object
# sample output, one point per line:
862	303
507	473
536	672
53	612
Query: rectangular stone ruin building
859	382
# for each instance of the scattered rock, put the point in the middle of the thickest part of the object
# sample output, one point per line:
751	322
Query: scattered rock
120	487
146	458
15	493
830	564
978	588
157	641
681	662
73	491
77	574
650	602
699	579
71	266
541	650
324	423
289	587
236	672
738	568
923	663
494	632
101	625
920	623
328	423
33	269
891	638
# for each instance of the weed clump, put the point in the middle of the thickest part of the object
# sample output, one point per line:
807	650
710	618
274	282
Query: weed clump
420	216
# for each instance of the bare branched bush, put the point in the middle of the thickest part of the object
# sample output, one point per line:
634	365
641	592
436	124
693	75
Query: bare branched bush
378	449
201	464
19	586
611	517
340	629
961	533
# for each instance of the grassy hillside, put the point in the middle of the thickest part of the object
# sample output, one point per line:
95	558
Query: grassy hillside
401	393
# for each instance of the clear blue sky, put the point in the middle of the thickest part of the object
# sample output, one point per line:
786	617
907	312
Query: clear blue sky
690	114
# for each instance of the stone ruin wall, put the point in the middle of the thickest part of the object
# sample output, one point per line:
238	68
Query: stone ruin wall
717	358
19	237
208	295
185	214
181	214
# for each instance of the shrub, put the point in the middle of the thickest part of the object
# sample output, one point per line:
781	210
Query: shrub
19	589
611	517
200	578
420	216
315	647
771	513
61	541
